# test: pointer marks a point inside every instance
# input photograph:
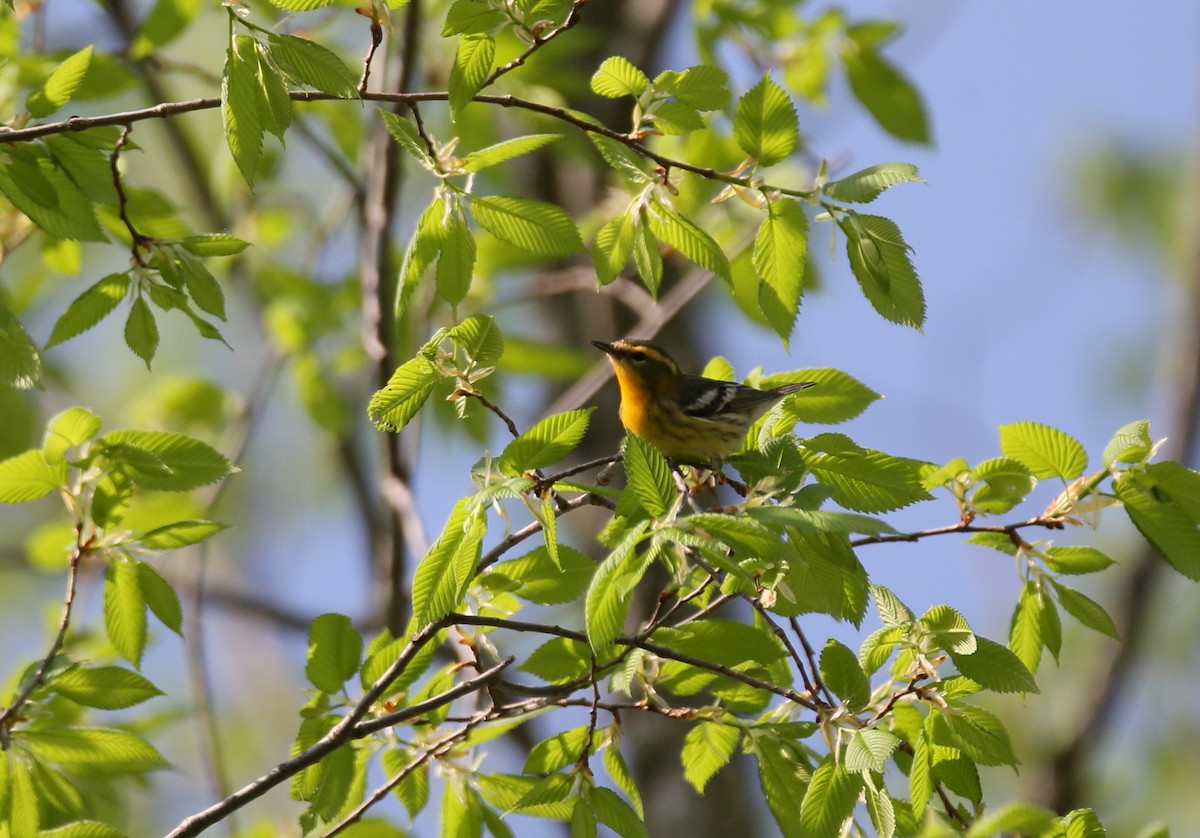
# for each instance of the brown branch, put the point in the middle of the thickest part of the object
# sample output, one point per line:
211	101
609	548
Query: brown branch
1051	523
512	539
12	713
462	392
138	242
376	40
539	41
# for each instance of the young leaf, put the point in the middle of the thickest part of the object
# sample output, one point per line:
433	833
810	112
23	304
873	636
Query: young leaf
472	63
456	264
778	258
1130	444
621	158
698	246
161	597
838	397
707	748
539	579
880	262
479	339
862	479
470	17
559	660
703	86
537	226
313	65
1077	560
334	652
1004	483
784	780
1047	451
830	799
617	77
104	687
559	750
675	118
649	476
611	587
214	244
869	750
506	150
994	667
616	814
177	462
1016	818
887	95
868	184
20	363
1086	610
443	574
392	407
1025	635
646	255
69	429
765	124
240	104
28	476
89	308
1164	524
93	749
979	734
61	85
842	673
180	534
273	90
612	248
949	630
403	132
125	610
545	443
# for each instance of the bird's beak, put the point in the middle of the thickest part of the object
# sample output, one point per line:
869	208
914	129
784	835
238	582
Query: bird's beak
604	347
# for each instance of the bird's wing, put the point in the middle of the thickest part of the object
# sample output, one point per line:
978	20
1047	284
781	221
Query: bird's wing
706	397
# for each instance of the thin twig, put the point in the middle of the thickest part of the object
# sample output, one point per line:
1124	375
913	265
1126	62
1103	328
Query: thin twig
812	662
539	41
1001	529
462	392
376	40
508	542
138	242
12	713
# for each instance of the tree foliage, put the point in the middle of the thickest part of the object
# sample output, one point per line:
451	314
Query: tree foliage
887	738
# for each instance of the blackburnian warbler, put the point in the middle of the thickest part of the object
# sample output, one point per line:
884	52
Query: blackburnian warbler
688	418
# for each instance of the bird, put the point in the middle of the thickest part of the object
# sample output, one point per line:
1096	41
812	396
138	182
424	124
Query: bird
690	419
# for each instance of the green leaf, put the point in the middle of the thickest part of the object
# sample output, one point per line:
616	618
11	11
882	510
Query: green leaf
214	244
784	780
648	476
141	331
70	213
1004	483
616	814
479	339
707	748
949	630
1083	823
869	750
536	226
646	256
94	749
506	150
470	17
617	77
83	829
241	100
20	363
1025	635
406	135
611	587
61	85
444	573
1076	560
559	660
979	734
765	123
621	159
920	777
888	96
831	796
698	246
182	463
313	65
539	579
456	264
300	5
104	687
69	429
862	479
1164	523
612	248
1130	444
335	777
842	673
180	534
559	750
879	259
995	667
1047	451
545	443
1086	610
703	86
1017	818
125	611
838	397
28	476
674	118
89	308
778	257
277	113
472	63
161	597
334	652
868	184
166	20
392	407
